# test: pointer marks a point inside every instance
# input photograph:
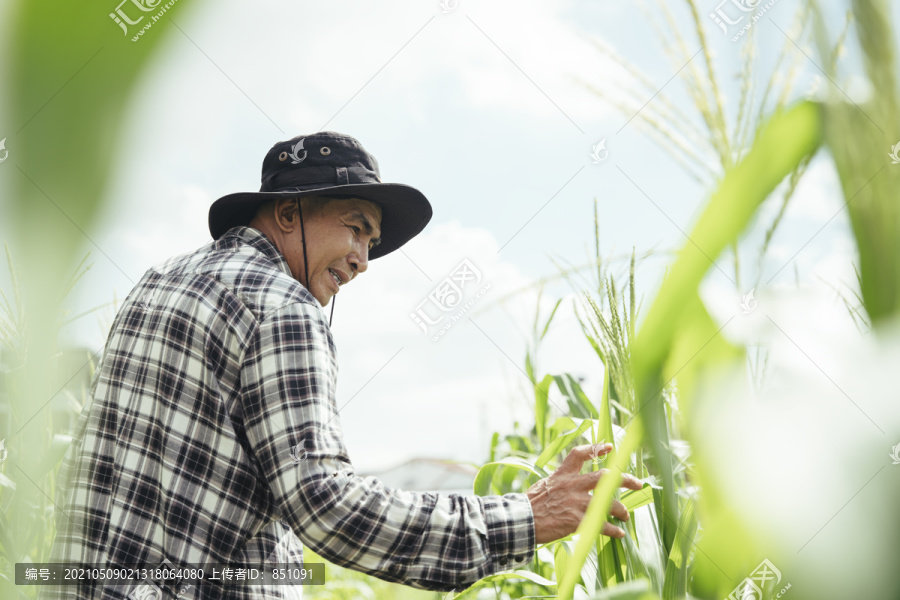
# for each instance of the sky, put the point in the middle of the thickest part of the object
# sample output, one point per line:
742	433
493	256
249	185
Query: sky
510	118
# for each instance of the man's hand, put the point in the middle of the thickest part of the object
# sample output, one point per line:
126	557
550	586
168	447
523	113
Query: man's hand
560	500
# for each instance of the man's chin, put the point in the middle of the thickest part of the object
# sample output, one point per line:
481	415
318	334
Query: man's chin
323	297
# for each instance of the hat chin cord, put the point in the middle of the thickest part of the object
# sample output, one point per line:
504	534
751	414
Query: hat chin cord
306	264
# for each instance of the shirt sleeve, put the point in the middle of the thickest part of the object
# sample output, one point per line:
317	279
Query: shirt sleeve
430	541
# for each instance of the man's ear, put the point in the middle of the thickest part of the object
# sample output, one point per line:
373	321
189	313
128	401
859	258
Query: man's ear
286	214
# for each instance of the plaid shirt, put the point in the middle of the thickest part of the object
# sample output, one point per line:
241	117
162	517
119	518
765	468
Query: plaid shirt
213	437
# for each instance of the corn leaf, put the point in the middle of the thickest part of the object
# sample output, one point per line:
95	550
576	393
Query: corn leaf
511	466
579	404
610	561
781	145
677	565
634	499
472	592
557	445
646	532
541	399
788	139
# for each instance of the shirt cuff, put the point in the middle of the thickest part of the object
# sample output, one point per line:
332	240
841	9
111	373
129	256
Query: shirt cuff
510	530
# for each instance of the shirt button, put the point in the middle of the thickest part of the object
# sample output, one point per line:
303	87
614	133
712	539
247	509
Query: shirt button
503	562
520	558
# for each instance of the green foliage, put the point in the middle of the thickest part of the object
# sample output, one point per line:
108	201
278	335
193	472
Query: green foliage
69	75
679	343
860	138
34	444
519	460
678	338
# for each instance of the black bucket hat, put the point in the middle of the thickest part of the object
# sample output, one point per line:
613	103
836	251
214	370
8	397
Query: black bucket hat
332	165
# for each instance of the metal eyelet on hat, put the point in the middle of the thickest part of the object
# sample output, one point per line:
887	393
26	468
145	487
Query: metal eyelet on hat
283	156
325	150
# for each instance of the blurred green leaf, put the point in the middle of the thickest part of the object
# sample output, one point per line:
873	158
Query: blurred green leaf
562	556
789	138
54	454
610	561
649	544
861	138
7	482
781	145
495	439
541	399
484	480
677	566
696	346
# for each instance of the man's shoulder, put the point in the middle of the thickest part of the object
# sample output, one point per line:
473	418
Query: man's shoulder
242	266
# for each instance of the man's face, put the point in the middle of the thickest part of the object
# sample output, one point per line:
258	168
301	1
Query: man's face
339	235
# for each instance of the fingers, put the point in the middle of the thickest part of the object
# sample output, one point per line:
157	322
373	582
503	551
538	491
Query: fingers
579	454
631	482
612	531
618	510
588	481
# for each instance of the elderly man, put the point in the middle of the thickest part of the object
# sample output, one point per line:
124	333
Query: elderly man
213	435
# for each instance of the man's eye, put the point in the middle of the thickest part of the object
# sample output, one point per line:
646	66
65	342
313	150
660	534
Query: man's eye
355	229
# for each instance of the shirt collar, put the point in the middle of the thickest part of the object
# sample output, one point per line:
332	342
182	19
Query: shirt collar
256	238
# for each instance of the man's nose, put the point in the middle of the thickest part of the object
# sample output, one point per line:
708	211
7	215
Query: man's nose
359	261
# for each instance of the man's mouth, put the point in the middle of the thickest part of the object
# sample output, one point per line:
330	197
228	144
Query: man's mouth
336	276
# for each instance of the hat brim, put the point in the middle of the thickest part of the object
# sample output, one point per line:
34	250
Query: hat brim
404	210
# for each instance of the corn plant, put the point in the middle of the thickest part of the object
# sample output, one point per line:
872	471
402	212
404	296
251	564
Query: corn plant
657	552
565	416
678	343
